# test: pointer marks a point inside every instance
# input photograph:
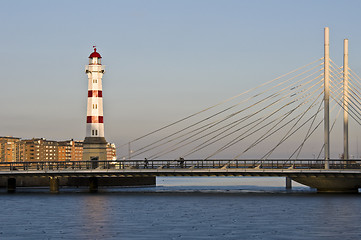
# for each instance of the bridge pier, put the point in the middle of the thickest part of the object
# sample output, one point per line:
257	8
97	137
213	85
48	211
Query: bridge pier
54	184
288	183
11	186
93	184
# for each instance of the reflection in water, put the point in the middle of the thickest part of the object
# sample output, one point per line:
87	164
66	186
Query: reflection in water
95	214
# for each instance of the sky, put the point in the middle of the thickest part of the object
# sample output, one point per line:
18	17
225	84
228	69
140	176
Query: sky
164	59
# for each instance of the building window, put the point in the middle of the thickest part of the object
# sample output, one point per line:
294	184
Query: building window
95	106
95	80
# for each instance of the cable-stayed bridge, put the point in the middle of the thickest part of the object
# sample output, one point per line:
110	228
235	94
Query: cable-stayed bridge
281	118
279	128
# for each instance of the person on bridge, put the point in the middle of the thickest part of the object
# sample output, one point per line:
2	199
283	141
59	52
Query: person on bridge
145	163
181	162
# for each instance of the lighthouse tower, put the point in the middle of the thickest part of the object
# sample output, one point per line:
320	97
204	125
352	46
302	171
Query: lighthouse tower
94	146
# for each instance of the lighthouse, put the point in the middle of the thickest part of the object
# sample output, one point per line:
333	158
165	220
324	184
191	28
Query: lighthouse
94	145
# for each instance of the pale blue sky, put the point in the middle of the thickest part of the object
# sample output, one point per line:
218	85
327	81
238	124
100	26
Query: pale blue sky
164	59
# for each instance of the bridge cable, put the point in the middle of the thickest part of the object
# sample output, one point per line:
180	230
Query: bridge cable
308	134
352	111
258	94
266	135
193	125
289	135
199	147
244	118
236	140
242	128
227	100
286	136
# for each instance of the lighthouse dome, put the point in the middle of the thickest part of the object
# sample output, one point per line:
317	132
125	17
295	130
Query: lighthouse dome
95	54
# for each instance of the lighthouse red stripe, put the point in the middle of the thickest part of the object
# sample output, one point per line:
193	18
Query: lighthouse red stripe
94	119
95	93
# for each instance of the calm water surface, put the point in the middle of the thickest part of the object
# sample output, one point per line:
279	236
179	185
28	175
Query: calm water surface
183	208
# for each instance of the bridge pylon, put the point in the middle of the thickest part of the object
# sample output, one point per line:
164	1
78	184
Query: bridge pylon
326	98
345	100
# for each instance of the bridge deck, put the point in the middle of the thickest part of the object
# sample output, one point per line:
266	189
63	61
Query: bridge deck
289	168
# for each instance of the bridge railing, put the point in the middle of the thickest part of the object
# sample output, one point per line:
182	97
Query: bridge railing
178	164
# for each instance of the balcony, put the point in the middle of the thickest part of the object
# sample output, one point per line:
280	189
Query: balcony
95	68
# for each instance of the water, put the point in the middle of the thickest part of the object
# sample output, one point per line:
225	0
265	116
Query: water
182	208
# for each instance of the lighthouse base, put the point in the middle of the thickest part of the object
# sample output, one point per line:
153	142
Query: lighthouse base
94	149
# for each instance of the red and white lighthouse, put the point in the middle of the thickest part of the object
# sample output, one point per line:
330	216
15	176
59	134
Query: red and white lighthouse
94	147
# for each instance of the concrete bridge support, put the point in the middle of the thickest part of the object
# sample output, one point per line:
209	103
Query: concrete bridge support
54	184
11	185
93	184
288	183
332	184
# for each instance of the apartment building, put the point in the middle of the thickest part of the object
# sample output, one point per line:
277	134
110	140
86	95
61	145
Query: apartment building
40	149
12	149
70	150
